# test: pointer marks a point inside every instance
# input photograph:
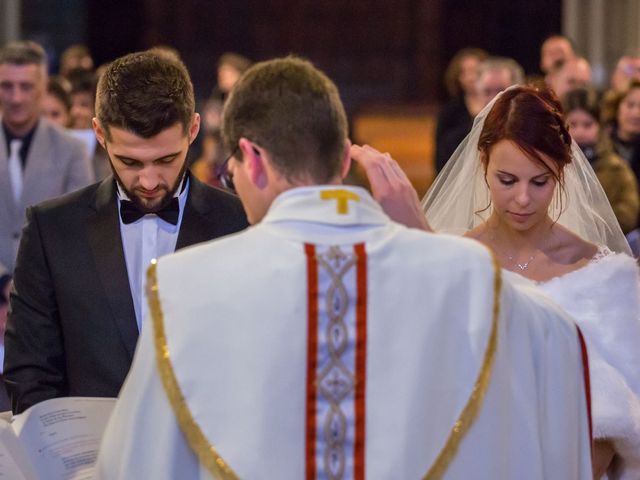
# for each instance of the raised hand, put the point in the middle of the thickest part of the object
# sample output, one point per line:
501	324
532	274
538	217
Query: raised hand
390	186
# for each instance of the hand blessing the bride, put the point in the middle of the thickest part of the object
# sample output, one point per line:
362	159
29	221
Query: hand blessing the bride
391	187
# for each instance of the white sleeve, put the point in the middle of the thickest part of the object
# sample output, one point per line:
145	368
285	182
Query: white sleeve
143	438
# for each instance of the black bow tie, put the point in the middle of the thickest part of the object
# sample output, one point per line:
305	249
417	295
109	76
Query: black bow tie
129	212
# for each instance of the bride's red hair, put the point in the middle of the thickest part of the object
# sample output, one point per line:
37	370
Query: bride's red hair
532	118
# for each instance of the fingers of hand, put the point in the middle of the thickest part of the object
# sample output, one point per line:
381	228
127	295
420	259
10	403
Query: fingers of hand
387	179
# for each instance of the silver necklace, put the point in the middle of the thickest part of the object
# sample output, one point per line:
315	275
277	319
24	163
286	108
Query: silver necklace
511	258
521	266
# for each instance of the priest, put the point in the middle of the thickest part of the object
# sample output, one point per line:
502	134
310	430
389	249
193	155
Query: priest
337	343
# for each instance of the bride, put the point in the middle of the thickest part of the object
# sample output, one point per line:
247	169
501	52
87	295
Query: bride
519	185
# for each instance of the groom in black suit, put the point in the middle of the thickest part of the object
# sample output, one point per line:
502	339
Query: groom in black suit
78	301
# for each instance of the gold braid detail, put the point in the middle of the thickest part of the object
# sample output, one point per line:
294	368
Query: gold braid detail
472	408
207	454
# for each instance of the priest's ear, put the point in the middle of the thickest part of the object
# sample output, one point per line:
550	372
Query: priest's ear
346	159
254	163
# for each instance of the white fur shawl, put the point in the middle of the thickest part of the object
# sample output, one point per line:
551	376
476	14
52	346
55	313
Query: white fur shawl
604	299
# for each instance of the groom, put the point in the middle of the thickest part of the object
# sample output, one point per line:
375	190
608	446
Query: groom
355	347
78	301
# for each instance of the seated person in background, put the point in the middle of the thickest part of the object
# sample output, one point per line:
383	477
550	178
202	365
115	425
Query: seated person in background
621	118
497	74
207	166
582	113
56	103
569	74
494	75
627	69
555	49
230	68
75	57
83	98
456	115
388	339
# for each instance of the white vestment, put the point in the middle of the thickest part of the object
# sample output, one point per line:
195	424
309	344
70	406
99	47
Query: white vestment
329	342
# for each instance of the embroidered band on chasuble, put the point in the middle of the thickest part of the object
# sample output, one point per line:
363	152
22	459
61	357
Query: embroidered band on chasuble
336	362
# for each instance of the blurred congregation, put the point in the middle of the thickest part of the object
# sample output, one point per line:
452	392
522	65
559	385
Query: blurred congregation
412	75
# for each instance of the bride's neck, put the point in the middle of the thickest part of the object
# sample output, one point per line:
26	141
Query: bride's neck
534	239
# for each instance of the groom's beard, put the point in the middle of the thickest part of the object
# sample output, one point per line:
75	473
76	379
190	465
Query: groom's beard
151	205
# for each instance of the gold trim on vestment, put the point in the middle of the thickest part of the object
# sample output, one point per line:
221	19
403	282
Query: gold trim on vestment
207	454
216	465
472	408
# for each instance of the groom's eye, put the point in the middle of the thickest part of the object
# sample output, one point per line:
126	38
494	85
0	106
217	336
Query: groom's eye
165	160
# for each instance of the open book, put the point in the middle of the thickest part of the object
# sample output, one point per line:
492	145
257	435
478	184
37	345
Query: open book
54	440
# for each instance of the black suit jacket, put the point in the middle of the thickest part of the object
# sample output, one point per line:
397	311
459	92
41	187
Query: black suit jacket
72	329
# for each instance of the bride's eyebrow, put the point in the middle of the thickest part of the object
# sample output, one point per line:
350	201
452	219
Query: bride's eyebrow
545	174
502	172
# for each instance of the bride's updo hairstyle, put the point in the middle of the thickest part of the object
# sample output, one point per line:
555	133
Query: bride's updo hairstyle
532	118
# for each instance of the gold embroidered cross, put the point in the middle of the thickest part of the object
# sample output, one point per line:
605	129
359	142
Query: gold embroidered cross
341	197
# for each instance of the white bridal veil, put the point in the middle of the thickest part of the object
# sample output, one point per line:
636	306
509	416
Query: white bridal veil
458	199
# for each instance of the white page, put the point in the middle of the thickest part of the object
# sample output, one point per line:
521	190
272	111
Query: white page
62	435
14	461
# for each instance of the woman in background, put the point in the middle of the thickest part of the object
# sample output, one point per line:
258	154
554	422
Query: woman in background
621	116
56	103
456	115
618	181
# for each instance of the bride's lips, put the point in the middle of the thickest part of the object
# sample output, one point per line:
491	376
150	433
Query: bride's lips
520	217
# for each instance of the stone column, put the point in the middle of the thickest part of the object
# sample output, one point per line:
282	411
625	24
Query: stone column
10	15
602	32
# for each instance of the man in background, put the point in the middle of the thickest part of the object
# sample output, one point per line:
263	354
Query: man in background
555	49
627	69
497	74
37	160
568	75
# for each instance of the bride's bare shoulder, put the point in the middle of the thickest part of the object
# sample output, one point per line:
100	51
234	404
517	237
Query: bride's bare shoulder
571	248
478	233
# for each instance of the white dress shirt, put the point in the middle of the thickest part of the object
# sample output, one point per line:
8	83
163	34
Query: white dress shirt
143	240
